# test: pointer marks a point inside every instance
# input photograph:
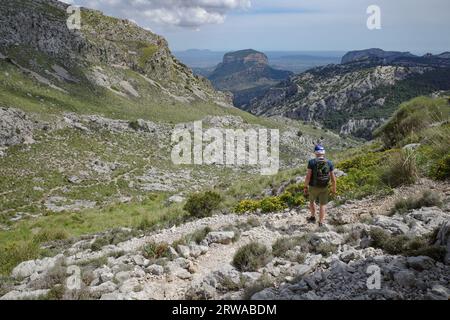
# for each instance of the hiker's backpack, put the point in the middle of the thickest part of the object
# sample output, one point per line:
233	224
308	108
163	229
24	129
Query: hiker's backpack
322	174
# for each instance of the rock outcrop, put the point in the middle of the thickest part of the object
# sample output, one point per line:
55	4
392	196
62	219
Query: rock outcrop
15	127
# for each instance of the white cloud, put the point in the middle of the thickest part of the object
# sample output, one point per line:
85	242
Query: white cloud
182	13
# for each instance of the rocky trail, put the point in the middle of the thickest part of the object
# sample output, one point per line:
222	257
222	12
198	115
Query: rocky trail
334	265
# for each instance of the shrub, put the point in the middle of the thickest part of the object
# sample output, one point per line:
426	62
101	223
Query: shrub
134	125
379	237
12	254
272	204
369	159
245	206
48	235
99	243
196	236
154	250
401	169
201	205
401	244
292	201
113	237
427	199
434	252
251	257
325	249
282	245
55	293
145	223
441	170
296	188
55	276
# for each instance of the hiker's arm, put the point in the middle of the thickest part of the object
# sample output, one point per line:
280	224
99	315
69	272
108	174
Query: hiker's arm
307	180
333	182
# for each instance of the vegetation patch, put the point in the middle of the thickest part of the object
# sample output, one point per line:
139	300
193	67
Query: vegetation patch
401	169
146	54
401	244
251	257
201	205
153	251
283	245
427	199
195	237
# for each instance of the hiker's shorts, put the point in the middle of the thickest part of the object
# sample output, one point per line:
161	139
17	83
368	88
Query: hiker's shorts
318	193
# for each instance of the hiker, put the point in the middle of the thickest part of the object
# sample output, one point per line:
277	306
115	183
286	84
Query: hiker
320	173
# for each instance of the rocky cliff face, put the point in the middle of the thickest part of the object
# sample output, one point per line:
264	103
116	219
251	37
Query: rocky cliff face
355	97
246	74
39	26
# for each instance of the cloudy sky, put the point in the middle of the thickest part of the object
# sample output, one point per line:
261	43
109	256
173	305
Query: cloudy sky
281	25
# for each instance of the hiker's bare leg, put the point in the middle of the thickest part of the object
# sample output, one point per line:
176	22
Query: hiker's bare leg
312	208
323	212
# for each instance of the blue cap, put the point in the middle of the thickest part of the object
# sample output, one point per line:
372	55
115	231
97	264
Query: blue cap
319	149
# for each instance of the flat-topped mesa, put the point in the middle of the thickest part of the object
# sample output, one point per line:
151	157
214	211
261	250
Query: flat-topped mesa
248	56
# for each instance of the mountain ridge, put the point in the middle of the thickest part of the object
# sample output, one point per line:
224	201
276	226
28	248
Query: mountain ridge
96	53
358	96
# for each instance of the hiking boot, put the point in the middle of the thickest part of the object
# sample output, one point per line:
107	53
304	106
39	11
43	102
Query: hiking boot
311	219
321	224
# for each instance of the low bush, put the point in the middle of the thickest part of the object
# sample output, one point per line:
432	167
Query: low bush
47	235
282	245
441	170
134	124
293	200
201	205
325	249
272	204
13	254
402	245
113	237
401	169
246	206
251	257
427	199
196	236
154	250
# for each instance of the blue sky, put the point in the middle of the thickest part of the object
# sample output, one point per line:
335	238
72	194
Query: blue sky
288	25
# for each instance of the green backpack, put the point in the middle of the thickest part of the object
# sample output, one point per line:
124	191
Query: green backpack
322	174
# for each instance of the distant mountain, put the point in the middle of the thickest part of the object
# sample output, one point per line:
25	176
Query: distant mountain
246	74
381	57
444	55
357	96
371	55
